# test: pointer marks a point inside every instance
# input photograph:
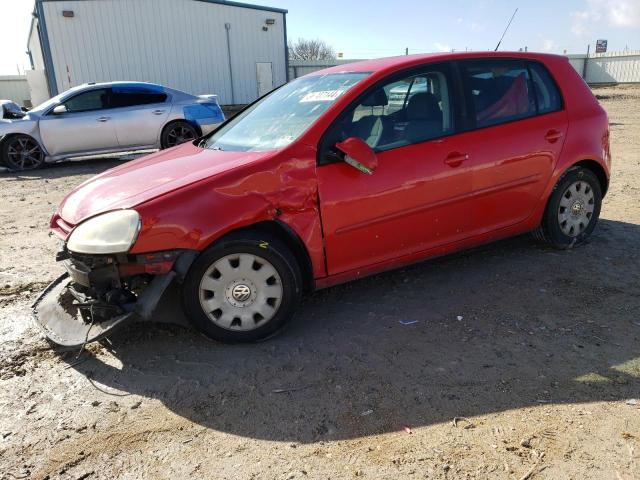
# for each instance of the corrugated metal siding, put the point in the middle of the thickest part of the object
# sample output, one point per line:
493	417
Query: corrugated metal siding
35	48
177	43
577	62
14	87
299	68
611	67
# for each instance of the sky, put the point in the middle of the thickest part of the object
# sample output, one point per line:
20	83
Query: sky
379	28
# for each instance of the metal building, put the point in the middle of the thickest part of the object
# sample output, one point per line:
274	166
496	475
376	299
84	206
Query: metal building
235	50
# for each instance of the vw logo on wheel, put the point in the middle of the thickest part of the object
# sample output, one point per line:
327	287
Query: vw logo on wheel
241	293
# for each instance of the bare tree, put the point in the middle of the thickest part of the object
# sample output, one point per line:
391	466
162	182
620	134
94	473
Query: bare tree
303	49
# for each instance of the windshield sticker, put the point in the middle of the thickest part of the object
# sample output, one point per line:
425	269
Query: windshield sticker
322	96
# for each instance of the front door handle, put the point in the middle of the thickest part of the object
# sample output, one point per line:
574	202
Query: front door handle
553	136
158	112
103	119
455	159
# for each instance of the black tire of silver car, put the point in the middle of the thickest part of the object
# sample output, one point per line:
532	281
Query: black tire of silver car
176	133
21	152
573	209
242	289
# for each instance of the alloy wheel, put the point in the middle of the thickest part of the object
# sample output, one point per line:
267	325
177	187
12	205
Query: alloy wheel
180	134
23	153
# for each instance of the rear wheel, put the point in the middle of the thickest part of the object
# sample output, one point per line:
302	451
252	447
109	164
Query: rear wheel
21	152
176	133
573	209
242	289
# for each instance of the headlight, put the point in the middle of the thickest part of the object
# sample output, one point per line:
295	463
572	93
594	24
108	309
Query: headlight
112	232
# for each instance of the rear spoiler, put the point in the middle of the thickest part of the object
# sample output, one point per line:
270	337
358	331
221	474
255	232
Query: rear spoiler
208	98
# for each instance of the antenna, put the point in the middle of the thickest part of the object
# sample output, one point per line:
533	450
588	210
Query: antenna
505	30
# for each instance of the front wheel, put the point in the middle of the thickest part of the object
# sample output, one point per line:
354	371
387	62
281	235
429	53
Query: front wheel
242	289
21	152
573	209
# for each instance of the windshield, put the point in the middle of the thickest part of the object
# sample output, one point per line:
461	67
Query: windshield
283	115
49	103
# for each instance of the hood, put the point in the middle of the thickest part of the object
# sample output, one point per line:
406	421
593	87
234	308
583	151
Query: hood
149	177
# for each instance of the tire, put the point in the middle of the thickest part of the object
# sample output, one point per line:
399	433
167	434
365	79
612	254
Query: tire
572	211
176	133
21	152
243	288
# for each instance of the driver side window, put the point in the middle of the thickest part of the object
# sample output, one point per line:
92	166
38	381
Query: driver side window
403	112
87	101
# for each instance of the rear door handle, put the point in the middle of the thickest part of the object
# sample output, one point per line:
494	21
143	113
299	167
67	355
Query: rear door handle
553	136
455	159
103	119
158	112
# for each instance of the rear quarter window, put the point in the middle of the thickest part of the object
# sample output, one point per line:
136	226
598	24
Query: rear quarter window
547	94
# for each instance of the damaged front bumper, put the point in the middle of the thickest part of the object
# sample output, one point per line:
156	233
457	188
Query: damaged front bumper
102	292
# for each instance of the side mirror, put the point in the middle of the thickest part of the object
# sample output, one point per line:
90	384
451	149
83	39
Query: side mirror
59	110
358	154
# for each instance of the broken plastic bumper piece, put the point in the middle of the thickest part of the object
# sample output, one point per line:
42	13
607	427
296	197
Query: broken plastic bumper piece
70	323
93	299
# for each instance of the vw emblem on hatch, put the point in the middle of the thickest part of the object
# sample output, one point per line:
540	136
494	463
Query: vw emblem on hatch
241	293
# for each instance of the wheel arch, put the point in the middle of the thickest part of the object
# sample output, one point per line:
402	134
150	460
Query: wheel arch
290	238
179	120
597	169
7	136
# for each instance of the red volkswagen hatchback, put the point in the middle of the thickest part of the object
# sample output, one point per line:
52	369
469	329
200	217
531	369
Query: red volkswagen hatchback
336	175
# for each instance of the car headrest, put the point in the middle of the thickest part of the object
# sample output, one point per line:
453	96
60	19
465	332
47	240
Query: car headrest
377	99
423	106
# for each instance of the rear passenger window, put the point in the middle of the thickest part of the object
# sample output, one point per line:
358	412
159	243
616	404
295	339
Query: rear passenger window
546	91
501	91
133	95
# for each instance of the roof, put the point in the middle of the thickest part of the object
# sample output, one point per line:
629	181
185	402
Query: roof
220	2
408	61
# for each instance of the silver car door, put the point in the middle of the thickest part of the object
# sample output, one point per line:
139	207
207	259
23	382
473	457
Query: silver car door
87	125
141	113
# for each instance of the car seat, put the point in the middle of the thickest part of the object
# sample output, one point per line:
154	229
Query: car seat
370	128
424	117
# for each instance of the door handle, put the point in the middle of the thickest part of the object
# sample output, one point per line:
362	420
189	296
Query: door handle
553	136
103	119
455	159
158	112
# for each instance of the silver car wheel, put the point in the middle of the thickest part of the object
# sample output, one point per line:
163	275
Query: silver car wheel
23	153
240	292
180	134
576	208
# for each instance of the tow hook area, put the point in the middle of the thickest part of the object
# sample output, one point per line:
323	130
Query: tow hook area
72	313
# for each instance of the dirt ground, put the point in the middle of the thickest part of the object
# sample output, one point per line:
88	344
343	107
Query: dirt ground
511	361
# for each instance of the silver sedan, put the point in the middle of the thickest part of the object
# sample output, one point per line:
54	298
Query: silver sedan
100	118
